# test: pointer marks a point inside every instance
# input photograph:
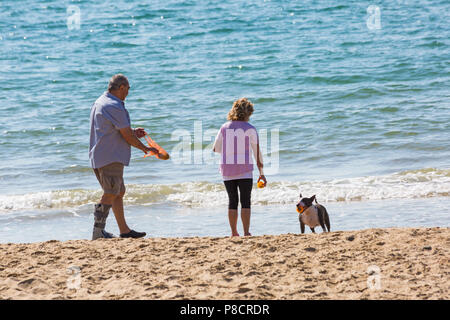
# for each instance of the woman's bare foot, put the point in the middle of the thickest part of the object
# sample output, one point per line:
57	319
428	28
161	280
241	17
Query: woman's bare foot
248	234
235	234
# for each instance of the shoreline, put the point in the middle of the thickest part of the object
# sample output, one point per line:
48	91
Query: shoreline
178	221
391	263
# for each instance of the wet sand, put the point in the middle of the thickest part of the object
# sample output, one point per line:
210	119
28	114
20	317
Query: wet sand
395	263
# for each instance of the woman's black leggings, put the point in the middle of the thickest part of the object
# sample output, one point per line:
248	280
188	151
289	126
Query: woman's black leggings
245	190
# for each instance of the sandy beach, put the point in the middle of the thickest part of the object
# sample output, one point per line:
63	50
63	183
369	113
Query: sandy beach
406	263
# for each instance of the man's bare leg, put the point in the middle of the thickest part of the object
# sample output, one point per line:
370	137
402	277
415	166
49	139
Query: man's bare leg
117	207
108	198
233	218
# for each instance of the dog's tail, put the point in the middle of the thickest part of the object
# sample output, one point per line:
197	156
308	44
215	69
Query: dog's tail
315	199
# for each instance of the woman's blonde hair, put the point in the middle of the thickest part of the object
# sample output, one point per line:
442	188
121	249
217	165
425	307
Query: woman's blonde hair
241	111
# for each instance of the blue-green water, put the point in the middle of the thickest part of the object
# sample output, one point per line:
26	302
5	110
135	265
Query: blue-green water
356	114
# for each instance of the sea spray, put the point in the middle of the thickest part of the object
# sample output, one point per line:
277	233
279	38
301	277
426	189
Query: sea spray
422	183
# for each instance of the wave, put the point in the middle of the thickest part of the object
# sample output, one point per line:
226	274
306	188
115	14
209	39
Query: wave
423	183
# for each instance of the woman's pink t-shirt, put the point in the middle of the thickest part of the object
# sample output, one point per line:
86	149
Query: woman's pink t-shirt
235	141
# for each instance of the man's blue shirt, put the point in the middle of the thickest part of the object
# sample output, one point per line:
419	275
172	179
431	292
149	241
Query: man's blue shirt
108	116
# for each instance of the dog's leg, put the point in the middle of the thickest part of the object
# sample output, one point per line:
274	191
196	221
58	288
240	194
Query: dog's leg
320	214
302	225
327	219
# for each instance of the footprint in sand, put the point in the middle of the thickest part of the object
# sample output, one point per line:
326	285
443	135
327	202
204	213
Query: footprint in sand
252	273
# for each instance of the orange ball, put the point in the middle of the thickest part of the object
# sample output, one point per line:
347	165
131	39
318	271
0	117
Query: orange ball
261	184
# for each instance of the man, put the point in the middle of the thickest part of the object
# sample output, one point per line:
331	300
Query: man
111	139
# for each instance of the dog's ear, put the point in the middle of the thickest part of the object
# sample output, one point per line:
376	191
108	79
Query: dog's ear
313	198
301	195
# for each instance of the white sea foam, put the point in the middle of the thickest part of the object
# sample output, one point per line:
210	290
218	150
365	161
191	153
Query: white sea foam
422	183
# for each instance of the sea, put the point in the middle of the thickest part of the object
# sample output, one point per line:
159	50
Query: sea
351	99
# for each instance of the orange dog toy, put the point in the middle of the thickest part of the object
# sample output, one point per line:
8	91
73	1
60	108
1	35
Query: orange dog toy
162	154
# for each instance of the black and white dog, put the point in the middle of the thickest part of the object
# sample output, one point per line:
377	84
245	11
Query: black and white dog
312	215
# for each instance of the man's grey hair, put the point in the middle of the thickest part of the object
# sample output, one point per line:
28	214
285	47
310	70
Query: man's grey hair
116	81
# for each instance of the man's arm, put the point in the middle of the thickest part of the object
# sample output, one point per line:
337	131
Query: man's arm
129	136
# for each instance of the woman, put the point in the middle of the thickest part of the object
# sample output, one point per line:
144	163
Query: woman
235	142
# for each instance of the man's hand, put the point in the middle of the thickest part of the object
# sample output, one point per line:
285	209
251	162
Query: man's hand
130	137
151	150
139	132
160	155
